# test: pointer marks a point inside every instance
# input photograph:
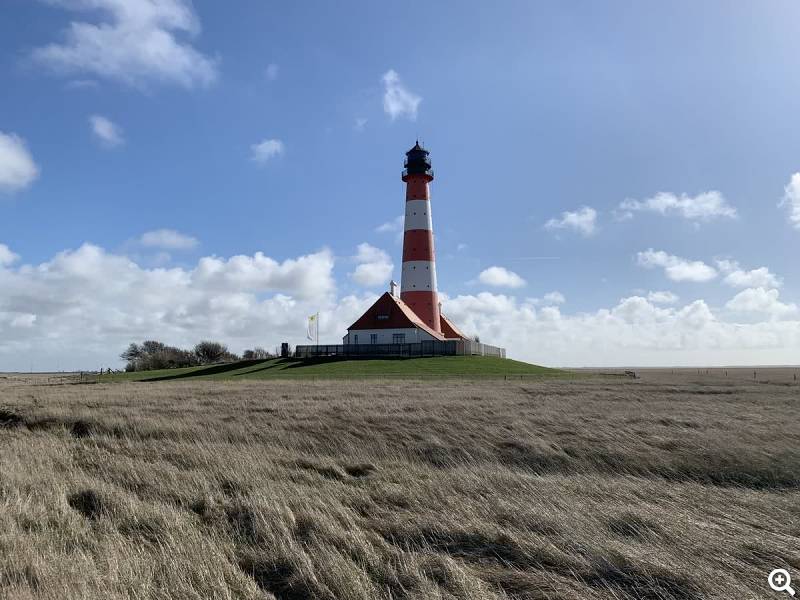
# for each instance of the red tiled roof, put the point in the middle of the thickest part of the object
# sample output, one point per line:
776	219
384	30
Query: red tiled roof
394	314
449	330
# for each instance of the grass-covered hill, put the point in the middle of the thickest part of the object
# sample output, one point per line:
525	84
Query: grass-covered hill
441	366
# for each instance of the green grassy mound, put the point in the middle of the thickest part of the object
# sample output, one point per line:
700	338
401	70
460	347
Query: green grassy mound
441	366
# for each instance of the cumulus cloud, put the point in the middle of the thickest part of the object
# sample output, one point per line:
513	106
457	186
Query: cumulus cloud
755	278
136	42
392	226
633	332
266	150
791	199
549	299
704	206
106	131
676	268
168	239
17	169
7	257
584	221
374	266
553	298
500	277
84	305
762	302
398	101
662	297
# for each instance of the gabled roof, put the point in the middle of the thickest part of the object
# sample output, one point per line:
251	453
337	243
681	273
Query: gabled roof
390	312
449	330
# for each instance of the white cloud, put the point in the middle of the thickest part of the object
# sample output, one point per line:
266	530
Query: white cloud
271	72
633	332
305	277
138	43
264	151
727	265
676	268
704	206
760	277
583	221
393	226
109	134
761	301
168	239
17	169
7	257
791	199
360	124
500	277
398	101
82	307
22	320
375	266
755	278
663	297
554	298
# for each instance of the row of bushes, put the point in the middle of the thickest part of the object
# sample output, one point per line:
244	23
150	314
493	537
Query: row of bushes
150	355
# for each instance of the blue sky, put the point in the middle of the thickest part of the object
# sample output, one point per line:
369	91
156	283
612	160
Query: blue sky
614	181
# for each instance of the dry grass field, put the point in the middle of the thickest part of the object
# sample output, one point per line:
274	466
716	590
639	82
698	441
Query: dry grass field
673	486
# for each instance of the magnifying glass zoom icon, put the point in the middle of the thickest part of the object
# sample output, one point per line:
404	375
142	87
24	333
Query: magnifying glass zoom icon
780	581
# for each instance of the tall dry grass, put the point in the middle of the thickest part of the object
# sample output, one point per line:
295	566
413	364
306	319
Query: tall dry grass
593	488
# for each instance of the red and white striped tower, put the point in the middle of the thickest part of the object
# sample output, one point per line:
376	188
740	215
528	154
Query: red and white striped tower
418	283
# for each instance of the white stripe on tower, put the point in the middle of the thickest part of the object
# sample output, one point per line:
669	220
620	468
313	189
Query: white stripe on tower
419	276
418	215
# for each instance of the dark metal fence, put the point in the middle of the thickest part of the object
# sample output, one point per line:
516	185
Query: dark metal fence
427	348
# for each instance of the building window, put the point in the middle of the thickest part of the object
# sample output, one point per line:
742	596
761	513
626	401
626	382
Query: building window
398	338
355	338
373	338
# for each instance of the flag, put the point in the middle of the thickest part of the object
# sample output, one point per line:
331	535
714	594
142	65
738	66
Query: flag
313	327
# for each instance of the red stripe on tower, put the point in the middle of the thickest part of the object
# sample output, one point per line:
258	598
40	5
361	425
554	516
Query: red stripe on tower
418	282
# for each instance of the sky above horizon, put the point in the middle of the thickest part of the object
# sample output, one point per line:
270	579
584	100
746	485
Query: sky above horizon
616	184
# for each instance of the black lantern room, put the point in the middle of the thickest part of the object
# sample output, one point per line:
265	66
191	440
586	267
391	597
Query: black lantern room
418	162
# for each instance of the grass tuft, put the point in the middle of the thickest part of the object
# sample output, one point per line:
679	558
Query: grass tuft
88	503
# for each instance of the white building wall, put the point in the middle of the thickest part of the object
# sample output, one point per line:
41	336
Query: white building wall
413	336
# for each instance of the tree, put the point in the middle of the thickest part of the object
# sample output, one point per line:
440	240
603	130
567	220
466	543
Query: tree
131	353
156	355
209	352
256	353
152	347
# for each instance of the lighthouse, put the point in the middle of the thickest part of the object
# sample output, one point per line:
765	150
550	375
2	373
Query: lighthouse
418	281
415	317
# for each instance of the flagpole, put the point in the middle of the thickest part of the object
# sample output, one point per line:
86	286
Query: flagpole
317	331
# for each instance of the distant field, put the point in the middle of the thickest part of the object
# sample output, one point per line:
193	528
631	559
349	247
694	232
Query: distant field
440	366
670	487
